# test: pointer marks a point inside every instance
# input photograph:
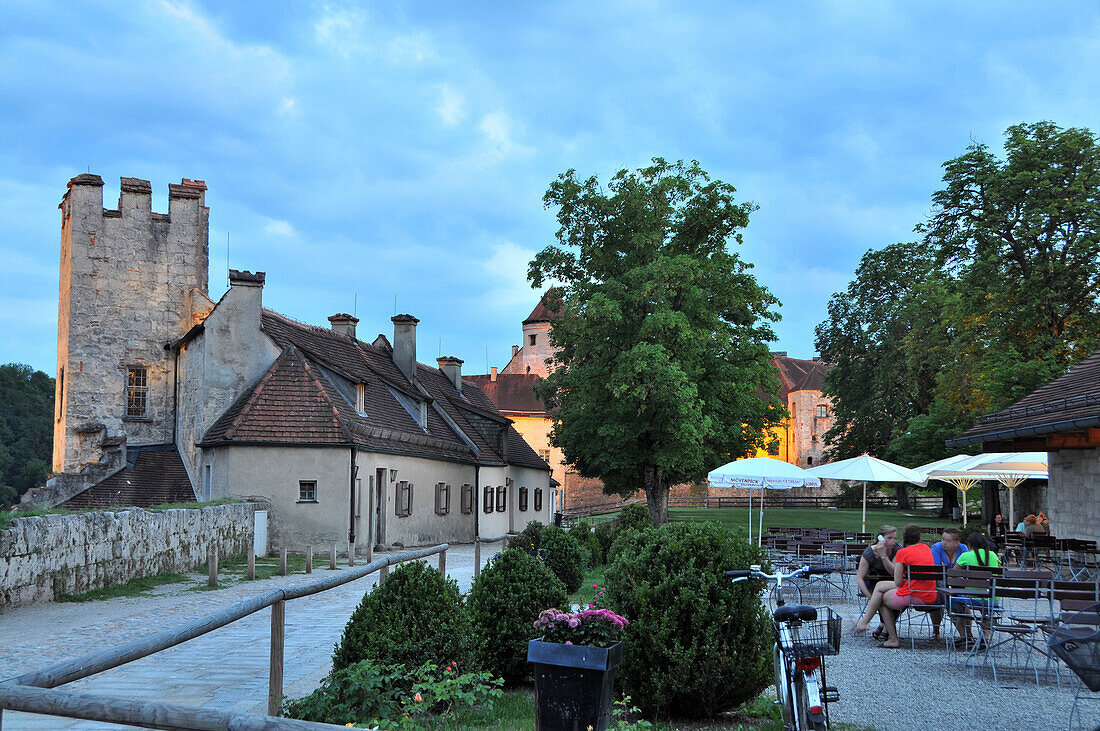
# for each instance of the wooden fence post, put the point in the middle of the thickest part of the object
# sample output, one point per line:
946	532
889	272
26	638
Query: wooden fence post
351	553
443	562
282	561
477	557
383	573
275	676
332	559
309	559
251	565
212	565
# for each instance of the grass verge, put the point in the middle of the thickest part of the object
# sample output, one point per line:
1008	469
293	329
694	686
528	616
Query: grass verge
134	587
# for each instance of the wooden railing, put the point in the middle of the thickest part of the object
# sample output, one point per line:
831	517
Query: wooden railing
34	692
502	539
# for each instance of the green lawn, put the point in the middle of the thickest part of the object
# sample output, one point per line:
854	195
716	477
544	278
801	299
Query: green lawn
737	519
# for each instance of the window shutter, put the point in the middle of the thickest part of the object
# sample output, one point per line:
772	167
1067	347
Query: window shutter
487	499
538	499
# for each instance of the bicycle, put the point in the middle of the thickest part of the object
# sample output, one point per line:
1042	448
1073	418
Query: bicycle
802	640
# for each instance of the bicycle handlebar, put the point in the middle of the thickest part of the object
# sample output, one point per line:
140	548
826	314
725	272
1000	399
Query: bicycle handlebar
758	572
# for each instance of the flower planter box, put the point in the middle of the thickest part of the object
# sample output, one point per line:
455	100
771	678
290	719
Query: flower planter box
573	684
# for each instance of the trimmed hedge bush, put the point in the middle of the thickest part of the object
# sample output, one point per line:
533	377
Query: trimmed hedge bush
360	691
634	517
415	617
530	538
601	541
588	541
564	556
697	644
503	604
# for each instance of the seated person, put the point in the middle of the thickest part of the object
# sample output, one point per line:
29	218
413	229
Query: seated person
998	531
980	554
889	600
1032	528
877	564
946	552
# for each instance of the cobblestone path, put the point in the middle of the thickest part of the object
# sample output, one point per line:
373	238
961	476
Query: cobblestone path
225	669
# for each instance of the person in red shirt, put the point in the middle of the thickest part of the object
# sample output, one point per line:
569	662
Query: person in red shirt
892	597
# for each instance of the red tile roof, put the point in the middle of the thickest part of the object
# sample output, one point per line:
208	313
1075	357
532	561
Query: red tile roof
155	476
513	393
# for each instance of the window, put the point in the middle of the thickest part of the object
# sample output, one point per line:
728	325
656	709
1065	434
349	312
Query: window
487	499
467	499
544	454
442	498
809	460
523	499
533	338
822	411
538	499
137	392
208	485
403	503
361	398
307	491
502	498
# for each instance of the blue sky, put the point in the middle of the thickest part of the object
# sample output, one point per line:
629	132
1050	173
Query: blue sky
360	151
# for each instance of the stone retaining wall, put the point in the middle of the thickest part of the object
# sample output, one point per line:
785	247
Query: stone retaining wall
43	556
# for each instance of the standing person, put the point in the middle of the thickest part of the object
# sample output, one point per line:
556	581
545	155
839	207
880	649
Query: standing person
890	601
998	530
946	552
877	565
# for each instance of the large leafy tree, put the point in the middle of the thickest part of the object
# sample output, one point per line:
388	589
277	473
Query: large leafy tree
1000	296
661	330
26	430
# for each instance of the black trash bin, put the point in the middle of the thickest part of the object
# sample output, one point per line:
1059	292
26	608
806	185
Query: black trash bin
573	685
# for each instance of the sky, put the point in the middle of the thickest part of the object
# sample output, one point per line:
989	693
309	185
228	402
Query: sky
382	157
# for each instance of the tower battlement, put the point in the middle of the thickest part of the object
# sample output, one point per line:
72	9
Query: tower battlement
127	276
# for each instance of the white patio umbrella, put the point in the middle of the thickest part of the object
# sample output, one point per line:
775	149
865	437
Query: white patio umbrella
952	470
866	468
762	472
1007	468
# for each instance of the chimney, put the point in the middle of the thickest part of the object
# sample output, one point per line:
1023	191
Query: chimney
515	349
404	345
344	324
493	374
452	369
247	289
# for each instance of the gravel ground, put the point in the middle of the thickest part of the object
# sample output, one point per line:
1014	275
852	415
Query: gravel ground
923	688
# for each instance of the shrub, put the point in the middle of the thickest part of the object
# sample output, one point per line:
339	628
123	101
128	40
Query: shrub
530	538
634	517
504	602
360	691
582	532
564	557
601	540
415	617
697	644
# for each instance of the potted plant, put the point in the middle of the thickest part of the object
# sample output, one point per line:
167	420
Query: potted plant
575	661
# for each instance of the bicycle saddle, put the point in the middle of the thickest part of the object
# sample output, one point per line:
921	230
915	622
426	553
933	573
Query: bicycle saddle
795	611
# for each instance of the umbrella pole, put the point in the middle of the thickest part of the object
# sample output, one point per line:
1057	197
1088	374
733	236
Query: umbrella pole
1011	513
750	516
760	527
863	525
964	507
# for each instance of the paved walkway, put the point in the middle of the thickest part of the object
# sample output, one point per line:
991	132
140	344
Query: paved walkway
225	669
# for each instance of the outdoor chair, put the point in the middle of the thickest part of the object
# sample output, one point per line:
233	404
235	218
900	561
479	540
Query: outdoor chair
1024	609
969	599
1076	642
918	615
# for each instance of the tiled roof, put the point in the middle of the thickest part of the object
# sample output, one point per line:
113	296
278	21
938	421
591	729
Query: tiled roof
511	392
308	397
796	374
541	313
1067	404
155	476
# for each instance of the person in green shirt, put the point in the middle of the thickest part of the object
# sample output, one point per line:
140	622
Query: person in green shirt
980	555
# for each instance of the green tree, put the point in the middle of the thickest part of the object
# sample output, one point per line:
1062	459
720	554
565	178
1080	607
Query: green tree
26	430
662	331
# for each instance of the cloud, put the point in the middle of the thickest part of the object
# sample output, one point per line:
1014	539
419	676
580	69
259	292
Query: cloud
452	105
279	228
507	272
497	130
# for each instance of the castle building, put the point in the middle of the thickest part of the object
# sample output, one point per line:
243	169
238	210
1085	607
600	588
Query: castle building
802	436
164	395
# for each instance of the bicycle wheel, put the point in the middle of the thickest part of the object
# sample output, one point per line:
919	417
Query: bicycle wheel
790	593
802	702
782	683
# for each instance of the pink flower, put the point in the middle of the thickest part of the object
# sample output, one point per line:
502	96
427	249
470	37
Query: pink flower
595	586
574	622
417	698
568	642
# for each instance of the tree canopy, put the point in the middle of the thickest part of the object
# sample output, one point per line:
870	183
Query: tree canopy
26	430
662	370
1000	296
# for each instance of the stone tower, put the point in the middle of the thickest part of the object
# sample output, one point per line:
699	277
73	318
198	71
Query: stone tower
531	357
127	281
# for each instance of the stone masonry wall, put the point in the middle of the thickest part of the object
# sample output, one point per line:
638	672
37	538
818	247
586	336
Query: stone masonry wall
1073	494
43	556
